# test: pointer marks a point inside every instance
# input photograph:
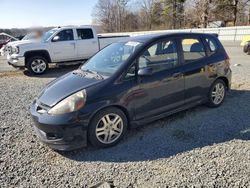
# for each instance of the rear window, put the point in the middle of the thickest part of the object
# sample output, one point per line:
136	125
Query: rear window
84	34
193	49
212	44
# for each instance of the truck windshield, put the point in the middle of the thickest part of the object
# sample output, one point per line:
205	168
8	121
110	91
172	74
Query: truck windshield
48	34
108	60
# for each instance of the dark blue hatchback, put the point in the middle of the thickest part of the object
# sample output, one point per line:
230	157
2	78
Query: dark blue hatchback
131	83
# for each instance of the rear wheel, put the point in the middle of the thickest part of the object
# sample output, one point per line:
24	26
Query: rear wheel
107	127
217	93
37	65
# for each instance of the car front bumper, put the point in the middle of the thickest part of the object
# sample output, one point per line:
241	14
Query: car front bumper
16	61
63	132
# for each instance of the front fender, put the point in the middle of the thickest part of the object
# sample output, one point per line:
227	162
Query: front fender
90	110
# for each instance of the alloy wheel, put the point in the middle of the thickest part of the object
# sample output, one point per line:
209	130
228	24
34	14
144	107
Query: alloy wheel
218	93
38	66
109	128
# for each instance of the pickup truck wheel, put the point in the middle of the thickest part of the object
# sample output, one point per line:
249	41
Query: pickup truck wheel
37	65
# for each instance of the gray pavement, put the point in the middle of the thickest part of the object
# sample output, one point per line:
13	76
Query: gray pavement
4	66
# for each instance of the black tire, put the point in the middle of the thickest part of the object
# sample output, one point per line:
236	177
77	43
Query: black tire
211	100
248	50
37	58
96	120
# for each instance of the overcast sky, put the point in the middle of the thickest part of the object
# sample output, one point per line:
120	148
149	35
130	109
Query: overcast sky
28	13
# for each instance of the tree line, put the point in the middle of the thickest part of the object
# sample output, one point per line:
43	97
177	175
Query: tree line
131	15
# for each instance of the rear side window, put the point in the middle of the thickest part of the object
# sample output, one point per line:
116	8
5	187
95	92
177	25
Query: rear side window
193	49
84	34
212	44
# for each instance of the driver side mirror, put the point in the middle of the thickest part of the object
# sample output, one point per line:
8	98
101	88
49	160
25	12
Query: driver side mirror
55	38
146	71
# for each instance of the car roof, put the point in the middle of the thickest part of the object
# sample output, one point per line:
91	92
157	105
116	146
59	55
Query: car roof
152	37
75	26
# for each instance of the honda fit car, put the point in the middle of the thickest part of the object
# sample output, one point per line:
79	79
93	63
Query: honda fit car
129	84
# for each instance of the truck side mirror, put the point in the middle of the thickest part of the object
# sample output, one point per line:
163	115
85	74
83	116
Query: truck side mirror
55	38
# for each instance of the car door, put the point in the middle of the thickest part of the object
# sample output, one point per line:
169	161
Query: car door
63	46
194	68
87	44
163	90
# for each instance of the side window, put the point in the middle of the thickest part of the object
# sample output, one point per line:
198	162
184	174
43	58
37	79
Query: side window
161	56
84	34
211	44
65	35
192	50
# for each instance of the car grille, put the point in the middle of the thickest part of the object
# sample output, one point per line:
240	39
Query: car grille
9	50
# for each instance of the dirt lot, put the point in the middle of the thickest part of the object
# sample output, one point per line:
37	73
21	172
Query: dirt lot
198	147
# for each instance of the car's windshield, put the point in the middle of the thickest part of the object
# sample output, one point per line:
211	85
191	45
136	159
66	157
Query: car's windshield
27	37
108	60
48	34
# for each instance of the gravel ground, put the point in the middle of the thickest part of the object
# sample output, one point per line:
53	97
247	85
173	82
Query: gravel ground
200	147
4	65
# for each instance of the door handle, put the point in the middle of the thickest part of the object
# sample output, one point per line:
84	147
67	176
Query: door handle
177	75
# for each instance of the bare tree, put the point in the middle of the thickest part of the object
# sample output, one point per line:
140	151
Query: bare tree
202	11
174	10
239	7
103	14
146	12
231	11
121	8
111	14
120	15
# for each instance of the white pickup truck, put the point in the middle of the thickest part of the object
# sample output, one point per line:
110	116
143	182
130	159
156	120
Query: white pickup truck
59	45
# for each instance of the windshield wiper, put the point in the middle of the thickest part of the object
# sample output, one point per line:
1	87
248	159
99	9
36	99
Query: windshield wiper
95	73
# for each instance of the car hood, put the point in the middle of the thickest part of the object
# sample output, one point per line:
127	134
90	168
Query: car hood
20	42
66	85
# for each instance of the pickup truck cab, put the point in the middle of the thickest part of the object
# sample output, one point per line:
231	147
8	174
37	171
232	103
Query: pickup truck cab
59	45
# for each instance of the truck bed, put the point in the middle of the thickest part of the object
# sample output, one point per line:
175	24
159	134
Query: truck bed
108	39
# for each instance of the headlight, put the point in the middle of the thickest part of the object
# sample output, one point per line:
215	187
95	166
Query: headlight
70	104
15	50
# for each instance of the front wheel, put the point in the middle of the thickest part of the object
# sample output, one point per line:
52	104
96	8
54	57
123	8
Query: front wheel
107	127
37	65
217	93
